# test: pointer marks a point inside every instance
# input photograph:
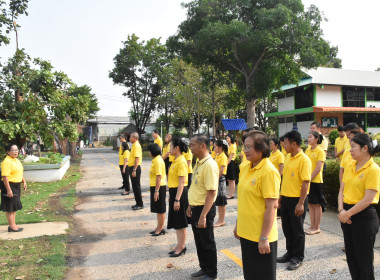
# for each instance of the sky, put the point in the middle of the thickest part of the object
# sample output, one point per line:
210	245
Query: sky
81	37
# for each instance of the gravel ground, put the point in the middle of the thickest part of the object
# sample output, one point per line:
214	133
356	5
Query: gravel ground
110	241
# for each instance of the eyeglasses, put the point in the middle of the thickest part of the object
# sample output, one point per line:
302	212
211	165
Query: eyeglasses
14	150
247	148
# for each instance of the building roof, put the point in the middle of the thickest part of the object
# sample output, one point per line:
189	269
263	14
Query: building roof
336	76
110	120
234	124
323	109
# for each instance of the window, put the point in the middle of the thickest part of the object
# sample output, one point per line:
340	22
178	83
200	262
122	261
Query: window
329	122
373	120
286	120
281	120
288	93
373	94
305	117
358	118
353	97
304	97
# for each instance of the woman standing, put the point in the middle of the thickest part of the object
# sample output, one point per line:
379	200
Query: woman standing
12	176
157	182
358	194
230	176
189	159
316	198
276	157
178	196
166	156
221	149
123	164
258	193
283	151
212	150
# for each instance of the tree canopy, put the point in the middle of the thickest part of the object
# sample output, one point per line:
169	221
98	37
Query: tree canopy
264	42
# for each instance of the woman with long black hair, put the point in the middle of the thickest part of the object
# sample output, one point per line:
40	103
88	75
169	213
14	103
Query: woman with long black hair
230	176
359	192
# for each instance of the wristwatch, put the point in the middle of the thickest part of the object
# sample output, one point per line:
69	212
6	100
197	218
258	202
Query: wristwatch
176	200
262	238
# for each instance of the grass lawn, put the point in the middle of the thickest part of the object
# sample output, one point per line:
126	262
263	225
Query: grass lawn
40	257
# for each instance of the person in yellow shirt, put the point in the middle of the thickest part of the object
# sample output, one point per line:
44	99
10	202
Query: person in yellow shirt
276	157
166	156
231	176
157	182
157	138
283	151
316	126
134	165
340	143
347	129
293	199
177	182
258	193
12	177
221	149
189	159
358	195
347	159
123	164
212	151
316	198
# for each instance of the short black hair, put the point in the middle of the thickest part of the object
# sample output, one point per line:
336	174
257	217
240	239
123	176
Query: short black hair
340	128
363	139
282	138
294	137
202	139
176	142
350	126
276	141
317	124
260	142
155	131
9	147
154	149
232	137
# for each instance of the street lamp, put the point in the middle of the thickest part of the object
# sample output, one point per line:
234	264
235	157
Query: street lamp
161	129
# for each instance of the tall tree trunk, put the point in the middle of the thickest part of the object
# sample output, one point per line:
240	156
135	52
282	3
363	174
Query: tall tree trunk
251	114
213	112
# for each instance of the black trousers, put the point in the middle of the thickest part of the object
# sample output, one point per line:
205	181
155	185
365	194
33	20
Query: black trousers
255	265
125	176
136	185
292	227
189	179
204	240
359	240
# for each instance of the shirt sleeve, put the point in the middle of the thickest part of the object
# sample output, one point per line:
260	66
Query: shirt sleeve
224	161
372	181
6	169
158	168
270	184
281	158
182	169
305	171
211	181
233	149
321	156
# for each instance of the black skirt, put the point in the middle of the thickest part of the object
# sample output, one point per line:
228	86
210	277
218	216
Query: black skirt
221	198
177	219
11	204
231	171
316	194
159	206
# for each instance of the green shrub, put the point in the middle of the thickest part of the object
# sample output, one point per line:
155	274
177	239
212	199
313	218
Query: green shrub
333	135
108	142
331	151
331	180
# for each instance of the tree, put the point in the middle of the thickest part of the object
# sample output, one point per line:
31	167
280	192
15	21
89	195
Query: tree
80	92
333	61
46	108
378	69
264	42
137	67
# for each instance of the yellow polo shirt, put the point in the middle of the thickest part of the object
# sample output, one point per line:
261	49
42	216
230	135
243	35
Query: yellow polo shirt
346	159
340	144
156	169
324	145
244	159
347	145
213	154
12	169
283	151
135	152
177	168
166	150
255	185
277	158
356	182
222	160
296	170
189	156
316	155
158	141
205	178
232	150
123	155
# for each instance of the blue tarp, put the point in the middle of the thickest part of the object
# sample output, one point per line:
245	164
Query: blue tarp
234	124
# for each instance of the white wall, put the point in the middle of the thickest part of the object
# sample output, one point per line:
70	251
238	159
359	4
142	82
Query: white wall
284	127
329	96
304	128
286	104
373	130
373	103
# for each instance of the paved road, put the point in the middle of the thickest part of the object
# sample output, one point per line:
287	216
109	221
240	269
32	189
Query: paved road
110	241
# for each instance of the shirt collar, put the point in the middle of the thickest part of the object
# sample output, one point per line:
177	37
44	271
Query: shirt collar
366	165
297	155
204	159
259	165
10	158
178	158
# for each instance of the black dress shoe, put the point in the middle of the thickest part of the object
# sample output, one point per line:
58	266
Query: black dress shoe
174	255
162	232
153	231
137	207
284	259
171	252
294	264
120	188
17	230
125	193
198	274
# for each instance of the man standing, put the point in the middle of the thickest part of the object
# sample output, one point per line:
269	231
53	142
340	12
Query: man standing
293	199
202	195
134	165
340	142
157	138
